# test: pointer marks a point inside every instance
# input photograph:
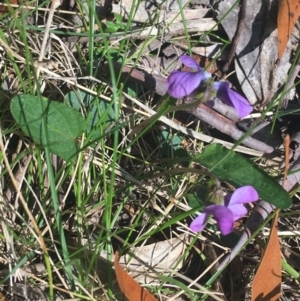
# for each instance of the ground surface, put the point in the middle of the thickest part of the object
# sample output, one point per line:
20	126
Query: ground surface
97	158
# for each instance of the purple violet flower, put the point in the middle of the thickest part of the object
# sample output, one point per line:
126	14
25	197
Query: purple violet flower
184	83
226	214
232	98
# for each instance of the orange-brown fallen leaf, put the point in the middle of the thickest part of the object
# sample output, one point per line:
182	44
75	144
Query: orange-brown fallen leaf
288	14
2	297
267	280
130	288
4	9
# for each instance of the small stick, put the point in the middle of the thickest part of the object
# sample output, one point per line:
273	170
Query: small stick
237	35
286	142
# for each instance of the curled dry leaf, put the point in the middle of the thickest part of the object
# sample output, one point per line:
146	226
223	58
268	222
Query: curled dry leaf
131	289
156	259
256	55
161	258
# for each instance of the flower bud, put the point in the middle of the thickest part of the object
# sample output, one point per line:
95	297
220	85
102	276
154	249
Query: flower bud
215	193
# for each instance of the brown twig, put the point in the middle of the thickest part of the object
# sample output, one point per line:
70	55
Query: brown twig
286	142
152	82
158	84
228	127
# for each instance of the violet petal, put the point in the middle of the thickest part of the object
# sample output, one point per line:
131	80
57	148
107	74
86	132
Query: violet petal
238	211
241	105
223	216
232	98
181	83
199	222
242	195
190	62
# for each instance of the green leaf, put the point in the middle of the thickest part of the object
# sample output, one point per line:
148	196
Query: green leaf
239	171
77	99
99	110
63	124
169	143
118	17
197	199
133	89
119	20
111	27
102	112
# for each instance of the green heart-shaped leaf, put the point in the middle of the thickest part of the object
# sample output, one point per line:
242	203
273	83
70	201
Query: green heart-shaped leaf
63	124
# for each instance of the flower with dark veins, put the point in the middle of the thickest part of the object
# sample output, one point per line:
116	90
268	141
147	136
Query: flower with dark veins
229	212
187	83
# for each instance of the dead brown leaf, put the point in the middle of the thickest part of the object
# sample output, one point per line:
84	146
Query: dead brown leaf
270	266
160	258
130	288
288	14
257	70
4	9
270	269
2	297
